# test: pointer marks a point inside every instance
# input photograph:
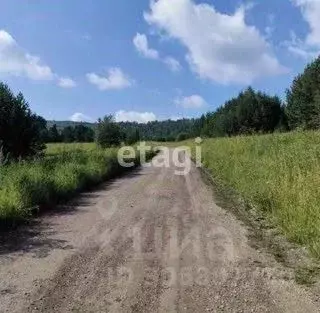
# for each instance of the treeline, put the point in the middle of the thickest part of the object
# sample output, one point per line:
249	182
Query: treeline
250	112
159	130
23	133
77	133
169	130
256	112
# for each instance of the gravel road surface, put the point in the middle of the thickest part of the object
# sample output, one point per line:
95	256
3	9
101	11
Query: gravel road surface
150	241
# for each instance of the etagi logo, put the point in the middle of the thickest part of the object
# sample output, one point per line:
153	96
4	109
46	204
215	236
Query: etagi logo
179	157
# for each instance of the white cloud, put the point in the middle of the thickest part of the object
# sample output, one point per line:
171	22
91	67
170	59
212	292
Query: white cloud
270	28
191	102
80	117
16	62
300	48
66	82
311	12
132	116
178	117
221	47
173	64
116	79
140	41
309	47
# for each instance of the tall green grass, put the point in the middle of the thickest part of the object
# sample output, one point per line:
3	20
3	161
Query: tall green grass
58	148
29	186
279	174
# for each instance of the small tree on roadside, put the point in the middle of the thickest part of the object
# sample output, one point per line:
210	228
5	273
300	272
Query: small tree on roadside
108	132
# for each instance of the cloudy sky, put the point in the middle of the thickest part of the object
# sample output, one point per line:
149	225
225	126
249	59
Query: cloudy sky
144	60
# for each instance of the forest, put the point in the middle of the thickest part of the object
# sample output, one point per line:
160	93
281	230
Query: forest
251	112
23	133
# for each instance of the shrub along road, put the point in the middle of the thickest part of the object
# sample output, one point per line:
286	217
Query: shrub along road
152	241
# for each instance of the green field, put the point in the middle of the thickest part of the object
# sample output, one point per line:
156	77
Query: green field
58	148
65	170
278	174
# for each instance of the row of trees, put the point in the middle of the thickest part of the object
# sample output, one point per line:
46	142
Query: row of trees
303	99
131	132
256	112
78	133
167	130
23	133
250	112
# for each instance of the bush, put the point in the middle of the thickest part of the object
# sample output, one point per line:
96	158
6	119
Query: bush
182	136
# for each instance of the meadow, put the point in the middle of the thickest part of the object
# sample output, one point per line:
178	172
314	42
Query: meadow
58	148
279	174
29	186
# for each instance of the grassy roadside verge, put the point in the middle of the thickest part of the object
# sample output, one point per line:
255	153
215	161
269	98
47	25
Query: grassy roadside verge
28	187
278	175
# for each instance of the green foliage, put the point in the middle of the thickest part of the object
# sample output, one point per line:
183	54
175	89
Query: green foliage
278	174
159	130
132	137
53	134
108	132
77	133
153	131
40	183
251	112
21	131
182	136
303	98
83	133
66	170
58	148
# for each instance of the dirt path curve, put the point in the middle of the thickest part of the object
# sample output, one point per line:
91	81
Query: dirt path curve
152	241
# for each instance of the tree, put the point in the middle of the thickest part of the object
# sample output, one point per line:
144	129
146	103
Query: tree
67	134
315	120
133	136
20	130
108	132
302	97
42	126
53	134
83	133
250	112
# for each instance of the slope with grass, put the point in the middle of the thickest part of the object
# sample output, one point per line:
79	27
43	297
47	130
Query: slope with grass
28	186
278	174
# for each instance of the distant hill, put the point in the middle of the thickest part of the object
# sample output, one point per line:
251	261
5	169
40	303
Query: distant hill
63	124
157	130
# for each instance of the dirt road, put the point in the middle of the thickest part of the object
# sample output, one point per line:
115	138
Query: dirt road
151	241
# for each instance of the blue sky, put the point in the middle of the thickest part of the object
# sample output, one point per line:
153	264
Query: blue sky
144	60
